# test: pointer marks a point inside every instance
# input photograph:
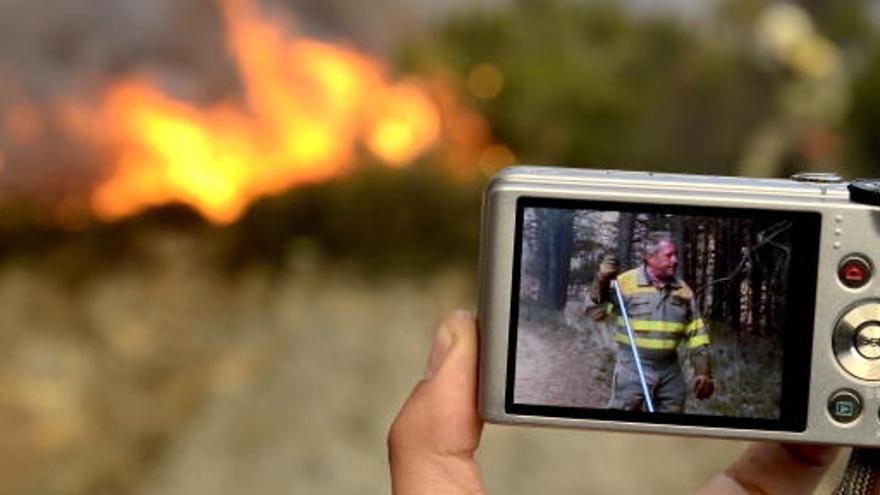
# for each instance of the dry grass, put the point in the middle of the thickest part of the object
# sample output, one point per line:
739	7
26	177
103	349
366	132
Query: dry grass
167	377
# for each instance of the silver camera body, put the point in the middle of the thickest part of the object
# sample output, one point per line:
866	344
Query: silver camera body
801	363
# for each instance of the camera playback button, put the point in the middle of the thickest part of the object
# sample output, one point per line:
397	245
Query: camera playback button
854	271
845	405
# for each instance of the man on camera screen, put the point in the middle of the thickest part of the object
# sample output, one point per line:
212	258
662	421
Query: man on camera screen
661	312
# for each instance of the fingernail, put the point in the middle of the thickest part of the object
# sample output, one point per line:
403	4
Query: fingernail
440	349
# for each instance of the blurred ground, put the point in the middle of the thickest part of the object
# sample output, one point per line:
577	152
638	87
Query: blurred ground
284	382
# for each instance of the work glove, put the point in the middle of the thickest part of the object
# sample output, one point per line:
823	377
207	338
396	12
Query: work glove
600	291
609	267
704	386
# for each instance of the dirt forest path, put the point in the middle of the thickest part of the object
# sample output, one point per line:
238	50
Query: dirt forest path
561	367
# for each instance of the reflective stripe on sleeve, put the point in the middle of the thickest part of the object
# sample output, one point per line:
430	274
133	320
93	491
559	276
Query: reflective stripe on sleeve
695	325
696	340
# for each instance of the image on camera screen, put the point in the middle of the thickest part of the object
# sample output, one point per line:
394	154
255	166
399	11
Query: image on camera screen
635	312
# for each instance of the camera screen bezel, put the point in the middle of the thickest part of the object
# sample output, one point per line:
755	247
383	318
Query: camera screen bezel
797	336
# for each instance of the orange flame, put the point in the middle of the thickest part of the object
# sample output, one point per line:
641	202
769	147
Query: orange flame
307	107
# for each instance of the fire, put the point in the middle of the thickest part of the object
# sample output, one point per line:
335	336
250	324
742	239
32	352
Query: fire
307	108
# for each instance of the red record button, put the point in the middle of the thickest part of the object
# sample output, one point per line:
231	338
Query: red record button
854	272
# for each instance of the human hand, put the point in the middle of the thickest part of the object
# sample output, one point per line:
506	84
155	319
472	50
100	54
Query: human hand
432	442
608	268
778	468
704	386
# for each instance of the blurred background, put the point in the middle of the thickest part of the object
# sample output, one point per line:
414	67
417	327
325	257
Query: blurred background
228	228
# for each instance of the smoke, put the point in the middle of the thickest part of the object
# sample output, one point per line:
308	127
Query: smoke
59	57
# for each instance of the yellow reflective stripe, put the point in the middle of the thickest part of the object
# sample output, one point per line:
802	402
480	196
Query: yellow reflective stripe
657	326
609	309
695	325
639	289
695	341
653	325
627	281
648	343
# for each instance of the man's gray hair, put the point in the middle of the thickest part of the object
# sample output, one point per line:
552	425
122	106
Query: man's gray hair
653	240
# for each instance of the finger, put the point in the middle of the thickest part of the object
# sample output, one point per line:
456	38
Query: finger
432	441
774	468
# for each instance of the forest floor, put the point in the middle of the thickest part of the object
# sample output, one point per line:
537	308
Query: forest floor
561	367
565	359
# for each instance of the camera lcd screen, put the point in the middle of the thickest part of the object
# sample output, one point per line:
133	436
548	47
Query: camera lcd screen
663	314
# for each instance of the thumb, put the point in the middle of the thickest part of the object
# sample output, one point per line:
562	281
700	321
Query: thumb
432	441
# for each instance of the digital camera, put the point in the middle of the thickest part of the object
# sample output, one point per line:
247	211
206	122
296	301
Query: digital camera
681	304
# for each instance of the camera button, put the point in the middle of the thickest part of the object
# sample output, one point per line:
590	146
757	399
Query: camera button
854	271
856	340
817	177
868	340
845	405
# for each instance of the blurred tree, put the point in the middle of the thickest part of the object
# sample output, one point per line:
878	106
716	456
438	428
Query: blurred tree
380	218
594	85
375	219
553	256
847	22
757	88
864	116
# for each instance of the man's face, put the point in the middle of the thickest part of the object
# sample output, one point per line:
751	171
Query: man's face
664	261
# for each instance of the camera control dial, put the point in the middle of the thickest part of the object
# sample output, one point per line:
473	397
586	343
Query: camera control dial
856	341
865	191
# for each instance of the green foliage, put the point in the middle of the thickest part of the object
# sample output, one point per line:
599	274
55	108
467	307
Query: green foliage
412	218
594	85
864	116
375	219
747	372
24	227
30	235
847	22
